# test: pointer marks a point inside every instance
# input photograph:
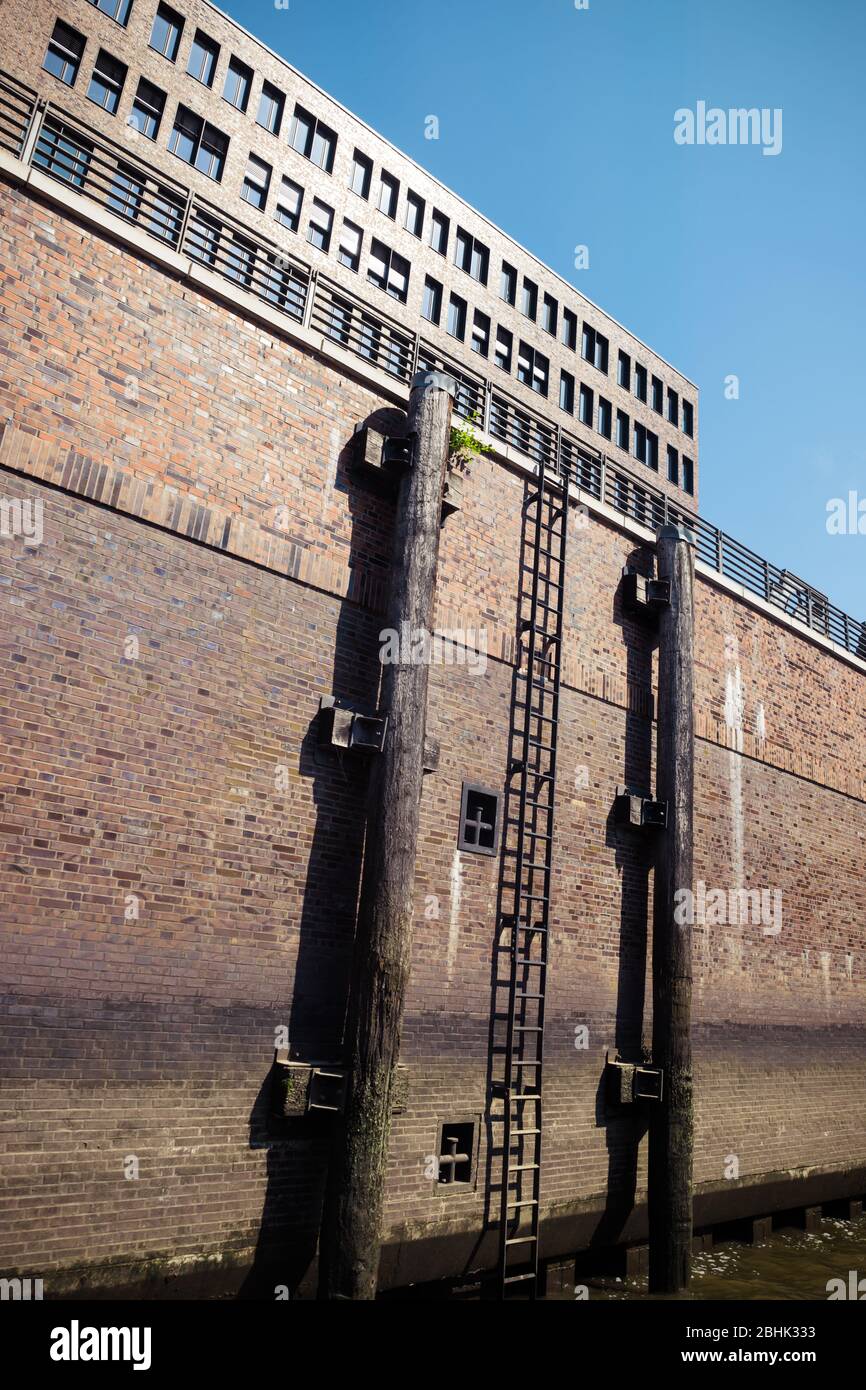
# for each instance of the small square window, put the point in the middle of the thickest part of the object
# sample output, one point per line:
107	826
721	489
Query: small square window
479	819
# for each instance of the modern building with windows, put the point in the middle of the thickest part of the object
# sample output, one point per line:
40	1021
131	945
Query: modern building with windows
218	285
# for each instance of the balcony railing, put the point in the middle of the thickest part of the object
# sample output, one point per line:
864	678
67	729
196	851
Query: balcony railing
137	195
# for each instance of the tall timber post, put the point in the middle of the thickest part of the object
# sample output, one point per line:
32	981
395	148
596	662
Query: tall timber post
671	1129
351	1227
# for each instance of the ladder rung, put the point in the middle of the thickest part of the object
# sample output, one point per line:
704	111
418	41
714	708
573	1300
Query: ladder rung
523	1167
517	1278
527	1202
521	1132
520	1240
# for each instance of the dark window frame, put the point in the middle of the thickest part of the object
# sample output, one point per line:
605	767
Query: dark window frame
475	789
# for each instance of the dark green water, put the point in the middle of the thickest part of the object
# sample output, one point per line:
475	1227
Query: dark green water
790	1265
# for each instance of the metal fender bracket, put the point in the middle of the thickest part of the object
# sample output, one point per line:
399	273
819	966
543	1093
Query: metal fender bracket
628	1082
305	1088
642	594
349	730
639	811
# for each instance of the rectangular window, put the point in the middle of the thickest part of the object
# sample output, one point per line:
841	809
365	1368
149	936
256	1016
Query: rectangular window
361	175
566	392
115	9
569	329
320	224
186	135
439	230
605	417
508	283
414	214
471	255
388	271
106	83
688	422
594	348
622	429
480	340
238	85
431	303
389	193
272	103
652	451
504	345
166	32
529	299
658	395
312	139
623	371
639	442
147	109
479	833
586	405
688	476
673	466
289	201
673	407
549	314
203	58
532	368
457	317
640	381
63	54
349	250
257	180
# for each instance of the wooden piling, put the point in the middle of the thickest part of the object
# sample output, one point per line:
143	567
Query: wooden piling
351	1225
671	1124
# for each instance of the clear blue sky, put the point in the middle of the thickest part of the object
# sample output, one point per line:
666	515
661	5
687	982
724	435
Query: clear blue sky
558	125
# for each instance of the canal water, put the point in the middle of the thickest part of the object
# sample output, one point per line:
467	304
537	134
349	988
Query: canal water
790	1265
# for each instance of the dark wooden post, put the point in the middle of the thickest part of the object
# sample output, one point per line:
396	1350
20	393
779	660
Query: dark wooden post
671	1124
351	1224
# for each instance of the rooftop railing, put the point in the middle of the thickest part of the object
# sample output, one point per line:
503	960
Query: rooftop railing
129	190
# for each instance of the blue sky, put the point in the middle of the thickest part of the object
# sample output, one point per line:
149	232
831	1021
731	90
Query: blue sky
558	124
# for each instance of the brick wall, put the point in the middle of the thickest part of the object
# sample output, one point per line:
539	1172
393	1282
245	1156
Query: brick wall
182	783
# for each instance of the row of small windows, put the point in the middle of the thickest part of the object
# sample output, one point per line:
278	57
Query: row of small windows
200	144
651	390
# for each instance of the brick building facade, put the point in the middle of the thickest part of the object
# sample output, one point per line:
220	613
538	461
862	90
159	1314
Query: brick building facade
181	859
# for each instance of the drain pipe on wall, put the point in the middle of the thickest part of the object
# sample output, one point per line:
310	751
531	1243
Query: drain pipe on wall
672	1121
351	1223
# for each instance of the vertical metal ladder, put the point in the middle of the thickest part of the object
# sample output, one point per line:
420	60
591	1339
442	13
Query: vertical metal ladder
520	971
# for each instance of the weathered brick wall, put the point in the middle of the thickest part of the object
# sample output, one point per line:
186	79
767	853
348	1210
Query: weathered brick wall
154	776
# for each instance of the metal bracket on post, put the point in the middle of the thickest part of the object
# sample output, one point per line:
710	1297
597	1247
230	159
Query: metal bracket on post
639	811
349	730
642	594
628	1082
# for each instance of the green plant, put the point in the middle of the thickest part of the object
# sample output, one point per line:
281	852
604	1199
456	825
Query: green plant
464	439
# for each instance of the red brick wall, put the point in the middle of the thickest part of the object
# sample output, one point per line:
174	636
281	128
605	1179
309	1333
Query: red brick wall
154	776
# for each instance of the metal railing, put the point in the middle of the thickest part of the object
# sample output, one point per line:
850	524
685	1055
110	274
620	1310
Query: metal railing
127	189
